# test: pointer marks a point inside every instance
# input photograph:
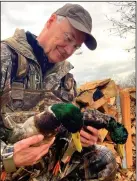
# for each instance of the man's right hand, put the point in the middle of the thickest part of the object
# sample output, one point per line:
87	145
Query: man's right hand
26	154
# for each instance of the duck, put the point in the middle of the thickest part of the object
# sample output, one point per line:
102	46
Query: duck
49	123
98	120
117	131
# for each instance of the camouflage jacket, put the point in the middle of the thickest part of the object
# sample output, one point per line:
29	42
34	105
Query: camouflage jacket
28	77
24	88
22	85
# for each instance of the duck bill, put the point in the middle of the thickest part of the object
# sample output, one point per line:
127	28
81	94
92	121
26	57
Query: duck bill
76	140
120	150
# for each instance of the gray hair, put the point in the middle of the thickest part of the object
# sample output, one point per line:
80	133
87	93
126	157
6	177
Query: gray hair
60	18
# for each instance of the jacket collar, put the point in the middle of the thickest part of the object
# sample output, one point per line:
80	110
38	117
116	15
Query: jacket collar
39	53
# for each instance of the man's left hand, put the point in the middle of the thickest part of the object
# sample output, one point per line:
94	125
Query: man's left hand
89	139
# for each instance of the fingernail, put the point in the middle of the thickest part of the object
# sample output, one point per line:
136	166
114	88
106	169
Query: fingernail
40	136
53	140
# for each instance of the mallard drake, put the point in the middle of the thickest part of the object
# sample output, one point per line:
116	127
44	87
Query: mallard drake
98	120
49	122
118	133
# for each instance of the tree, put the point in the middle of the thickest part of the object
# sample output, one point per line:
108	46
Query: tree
128	81
132	80
126	24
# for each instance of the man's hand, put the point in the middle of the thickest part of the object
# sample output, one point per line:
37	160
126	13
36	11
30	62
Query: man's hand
88	139
26	154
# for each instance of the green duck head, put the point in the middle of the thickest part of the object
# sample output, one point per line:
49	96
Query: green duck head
118	132
70	117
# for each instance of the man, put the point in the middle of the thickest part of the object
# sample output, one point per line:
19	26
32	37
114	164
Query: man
31	68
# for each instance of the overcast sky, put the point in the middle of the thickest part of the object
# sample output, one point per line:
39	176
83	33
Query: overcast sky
109	59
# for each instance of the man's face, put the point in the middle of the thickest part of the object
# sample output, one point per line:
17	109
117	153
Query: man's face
59	39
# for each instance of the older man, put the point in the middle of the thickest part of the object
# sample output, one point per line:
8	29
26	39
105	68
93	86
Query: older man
32	66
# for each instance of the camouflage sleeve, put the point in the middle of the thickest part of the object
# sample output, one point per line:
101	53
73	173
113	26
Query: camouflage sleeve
68	88
6	162
3	146
5	72
69	84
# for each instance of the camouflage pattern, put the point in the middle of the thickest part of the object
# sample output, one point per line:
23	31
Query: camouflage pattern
93	164
35	95
95	115
34	88
6	65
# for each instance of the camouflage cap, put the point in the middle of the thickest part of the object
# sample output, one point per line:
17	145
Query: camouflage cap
80	19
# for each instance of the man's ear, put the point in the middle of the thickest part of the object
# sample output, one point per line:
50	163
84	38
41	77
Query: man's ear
51	20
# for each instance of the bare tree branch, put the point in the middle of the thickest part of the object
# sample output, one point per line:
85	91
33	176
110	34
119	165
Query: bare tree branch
127	23
129	81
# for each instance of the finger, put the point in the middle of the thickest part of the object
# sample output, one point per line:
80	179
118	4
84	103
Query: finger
52	141
44	152
87	142
44	146
85	145
25	143
34	153
33	139
99	138
94	131
85	134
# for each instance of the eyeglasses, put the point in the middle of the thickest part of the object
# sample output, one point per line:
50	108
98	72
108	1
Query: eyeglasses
68	38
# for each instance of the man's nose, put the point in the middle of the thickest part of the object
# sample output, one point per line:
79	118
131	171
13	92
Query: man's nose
69	49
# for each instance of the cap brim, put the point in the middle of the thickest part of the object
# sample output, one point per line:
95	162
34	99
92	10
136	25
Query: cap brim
90	41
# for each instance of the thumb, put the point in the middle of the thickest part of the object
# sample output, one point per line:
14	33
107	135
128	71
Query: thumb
25	143
52	141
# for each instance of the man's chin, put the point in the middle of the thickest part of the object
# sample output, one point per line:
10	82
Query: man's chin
54	60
